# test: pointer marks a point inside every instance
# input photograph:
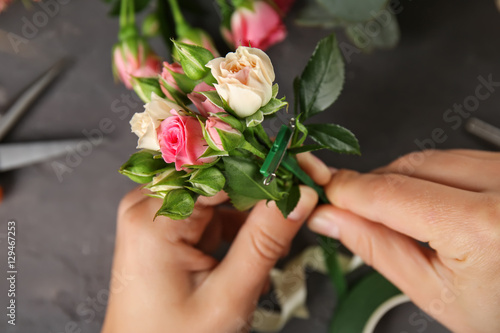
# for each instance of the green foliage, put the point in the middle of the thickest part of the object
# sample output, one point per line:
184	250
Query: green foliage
177	204
323	78
207	182
334	137
193	59
141	167
244	183
290	201
145	86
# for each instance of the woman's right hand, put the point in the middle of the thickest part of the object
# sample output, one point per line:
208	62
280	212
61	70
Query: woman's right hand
448	199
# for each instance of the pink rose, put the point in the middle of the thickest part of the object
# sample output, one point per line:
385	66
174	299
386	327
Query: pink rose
203	104
168	79
128	64
181	141
215	127
260	28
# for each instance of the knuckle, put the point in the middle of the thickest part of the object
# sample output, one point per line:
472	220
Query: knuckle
338	181
267	246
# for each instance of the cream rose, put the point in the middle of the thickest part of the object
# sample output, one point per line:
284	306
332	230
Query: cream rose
144	124
245	79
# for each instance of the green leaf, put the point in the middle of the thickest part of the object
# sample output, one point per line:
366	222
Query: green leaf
354	11
274	105
144	86
207	182
168	180
255	119
245	181
185	84
289	202
177	205
366	296
141	167
337	277
193	59
297	139
306	148
334	137
241	202
322	79
275	90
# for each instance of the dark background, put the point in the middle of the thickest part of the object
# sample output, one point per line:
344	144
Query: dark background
66	228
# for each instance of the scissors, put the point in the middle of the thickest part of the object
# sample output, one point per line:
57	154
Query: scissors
17	155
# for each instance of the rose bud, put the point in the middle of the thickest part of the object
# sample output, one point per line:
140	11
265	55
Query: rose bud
167	80
244	79
201	38
145	124
134	58
207	182
222	136
260	27
203	104
193	59
181	141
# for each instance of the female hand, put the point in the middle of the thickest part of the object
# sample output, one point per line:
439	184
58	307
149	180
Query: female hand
448	199
174	285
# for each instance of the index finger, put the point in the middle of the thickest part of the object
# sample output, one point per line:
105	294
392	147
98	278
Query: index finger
423	210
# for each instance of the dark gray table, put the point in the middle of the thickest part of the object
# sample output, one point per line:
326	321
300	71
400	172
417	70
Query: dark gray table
66	225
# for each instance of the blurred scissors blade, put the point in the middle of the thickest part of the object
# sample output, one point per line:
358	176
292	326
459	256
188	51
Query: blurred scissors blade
23	102
17	155
484	130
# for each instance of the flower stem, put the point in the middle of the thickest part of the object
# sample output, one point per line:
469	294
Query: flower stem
127	14
180	22
248	147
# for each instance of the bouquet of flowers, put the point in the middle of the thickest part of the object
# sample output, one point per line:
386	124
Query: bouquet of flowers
201	131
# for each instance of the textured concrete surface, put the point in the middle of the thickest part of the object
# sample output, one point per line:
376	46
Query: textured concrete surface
66	228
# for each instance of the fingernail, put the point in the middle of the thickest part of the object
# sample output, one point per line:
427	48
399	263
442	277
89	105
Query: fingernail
324	223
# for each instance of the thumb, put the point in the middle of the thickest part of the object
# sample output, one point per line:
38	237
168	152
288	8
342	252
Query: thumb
261	241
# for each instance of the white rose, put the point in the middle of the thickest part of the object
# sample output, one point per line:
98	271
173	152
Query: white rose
144	124
245	79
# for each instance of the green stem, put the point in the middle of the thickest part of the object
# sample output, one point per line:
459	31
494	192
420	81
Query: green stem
247	146
127	14
180	23
328	245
